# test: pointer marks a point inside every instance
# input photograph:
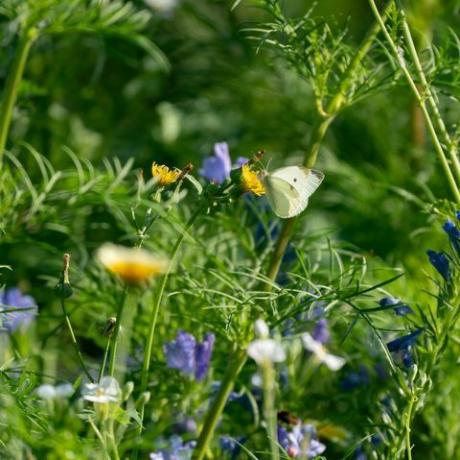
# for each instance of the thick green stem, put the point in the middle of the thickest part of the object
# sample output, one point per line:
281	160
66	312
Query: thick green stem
74	341
269	408
116	332
407	427
421	100
12	86
156	309
236	363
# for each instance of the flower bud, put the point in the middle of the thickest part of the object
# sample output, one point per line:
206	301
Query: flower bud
63	289
261	329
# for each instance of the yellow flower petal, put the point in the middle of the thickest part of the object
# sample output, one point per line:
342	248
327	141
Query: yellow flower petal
164	175
131	264
250	181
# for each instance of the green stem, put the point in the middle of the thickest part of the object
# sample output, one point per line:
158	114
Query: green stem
74	341
269	408
407	427
12	86
434	136
156	309
116	331
236	363
452	150
104	360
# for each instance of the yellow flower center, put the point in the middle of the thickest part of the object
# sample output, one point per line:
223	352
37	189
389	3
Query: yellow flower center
164	175
250	181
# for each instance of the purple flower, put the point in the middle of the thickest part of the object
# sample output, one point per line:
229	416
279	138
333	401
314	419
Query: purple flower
203	352
399	308
301	441
440	261
401	347
454	234
12	299
217	167
188	356
321	331
174	449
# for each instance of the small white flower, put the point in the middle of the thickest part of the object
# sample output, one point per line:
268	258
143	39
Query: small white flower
46	391
261	329
49	392
106	391
334	363
266	350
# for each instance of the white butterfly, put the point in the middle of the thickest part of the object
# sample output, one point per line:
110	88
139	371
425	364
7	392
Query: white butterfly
288	189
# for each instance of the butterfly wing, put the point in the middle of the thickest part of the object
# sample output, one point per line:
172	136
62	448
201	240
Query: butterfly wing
280	195
303	180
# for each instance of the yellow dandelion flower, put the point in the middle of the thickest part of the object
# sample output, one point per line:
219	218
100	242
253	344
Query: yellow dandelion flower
250	181
133	265
164	175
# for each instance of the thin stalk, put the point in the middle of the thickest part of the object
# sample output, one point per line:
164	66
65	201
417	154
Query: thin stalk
319	131
116	332
74	341
237	360
421	101
12	86
100	437
104	360
430	97
156	309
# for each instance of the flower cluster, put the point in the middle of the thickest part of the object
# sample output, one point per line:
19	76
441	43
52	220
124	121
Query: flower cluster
189	356
174	449
301	441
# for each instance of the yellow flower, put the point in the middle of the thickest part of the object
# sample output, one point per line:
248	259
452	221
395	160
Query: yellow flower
164	175
131	264
250	181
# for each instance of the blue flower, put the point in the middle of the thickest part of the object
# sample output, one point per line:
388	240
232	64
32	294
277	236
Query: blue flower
454	234
457	215
399	308
184	424
301	441
401	347
440	261
231	446
174	449
217	167
13	299
321	331
188	356
355	379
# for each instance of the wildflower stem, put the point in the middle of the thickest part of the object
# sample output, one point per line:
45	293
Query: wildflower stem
12	85
104	360
236	363
428	93
100	437
116	331
407	427
268	373
74	341
421	100
156	309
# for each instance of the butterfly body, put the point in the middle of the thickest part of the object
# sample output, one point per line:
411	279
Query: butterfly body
288	189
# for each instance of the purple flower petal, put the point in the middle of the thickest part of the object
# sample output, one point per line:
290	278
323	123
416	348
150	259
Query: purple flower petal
203	354
180	353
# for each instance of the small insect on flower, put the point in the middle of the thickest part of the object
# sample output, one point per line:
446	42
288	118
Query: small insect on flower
104	392
334	363
163	175
250	181
133	265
